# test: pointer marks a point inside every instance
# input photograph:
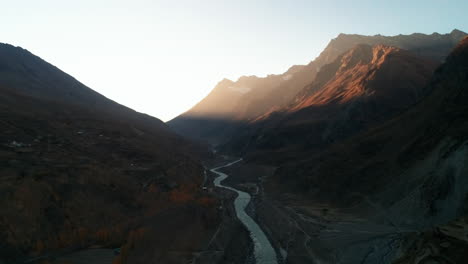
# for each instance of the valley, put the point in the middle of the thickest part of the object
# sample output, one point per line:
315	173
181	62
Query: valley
359	156
263	251
366	164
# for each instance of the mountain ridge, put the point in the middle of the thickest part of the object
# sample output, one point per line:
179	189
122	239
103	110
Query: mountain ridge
274	92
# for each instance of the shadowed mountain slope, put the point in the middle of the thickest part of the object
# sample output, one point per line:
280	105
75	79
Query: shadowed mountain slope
414	164
79	170
409	172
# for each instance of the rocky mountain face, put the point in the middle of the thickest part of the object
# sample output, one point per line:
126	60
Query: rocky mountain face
79	170
224	112
412	167
434	128
363	86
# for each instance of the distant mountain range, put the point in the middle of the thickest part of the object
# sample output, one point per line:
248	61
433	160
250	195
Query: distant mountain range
417	145
361	87
219	115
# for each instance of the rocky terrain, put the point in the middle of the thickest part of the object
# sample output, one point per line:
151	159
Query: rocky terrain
367	162
364	86
429	136
395	193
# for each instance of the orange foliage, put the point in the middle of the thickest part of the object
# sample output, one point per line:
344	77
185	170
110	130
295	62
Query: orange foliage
206	201
82	235
103	235
39	246
182	194
136	235
153	188
117	260
65	239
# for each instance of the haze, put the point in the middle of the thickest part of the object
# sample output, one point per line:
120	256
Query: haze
161	57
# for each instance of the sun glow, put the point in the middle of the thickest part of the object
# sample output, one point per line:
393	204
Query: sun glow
162	57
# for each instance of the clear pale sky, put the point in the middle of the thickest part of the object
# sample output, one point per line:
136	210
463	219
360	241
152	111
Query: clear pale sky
162	57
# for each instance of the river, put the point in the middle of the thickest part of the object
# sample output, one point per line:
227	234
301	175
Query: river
263	250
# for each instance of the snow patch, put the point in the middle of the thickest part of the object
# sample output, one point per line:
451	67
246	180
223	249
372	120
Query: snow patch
240	89
287	77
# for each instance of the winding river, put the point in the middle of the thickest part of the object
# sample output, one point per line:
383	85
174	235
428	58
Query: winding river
263	251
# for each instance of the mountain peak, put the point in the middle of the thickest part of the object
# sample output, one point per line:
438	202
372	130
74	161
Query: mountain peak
342	35
293	69
225	81
457	32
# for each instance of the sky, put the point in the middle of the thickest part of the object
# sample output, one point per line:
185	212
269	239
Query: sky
162	57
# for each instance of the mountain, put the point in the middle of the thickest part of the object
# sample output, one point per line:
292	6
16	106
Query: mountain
409	172
363	86
216	116
393	192
231	105
433	124
79	170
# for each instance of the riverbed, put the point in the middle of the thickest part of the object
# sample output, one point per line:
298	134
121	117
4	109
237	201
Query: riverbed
263	250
